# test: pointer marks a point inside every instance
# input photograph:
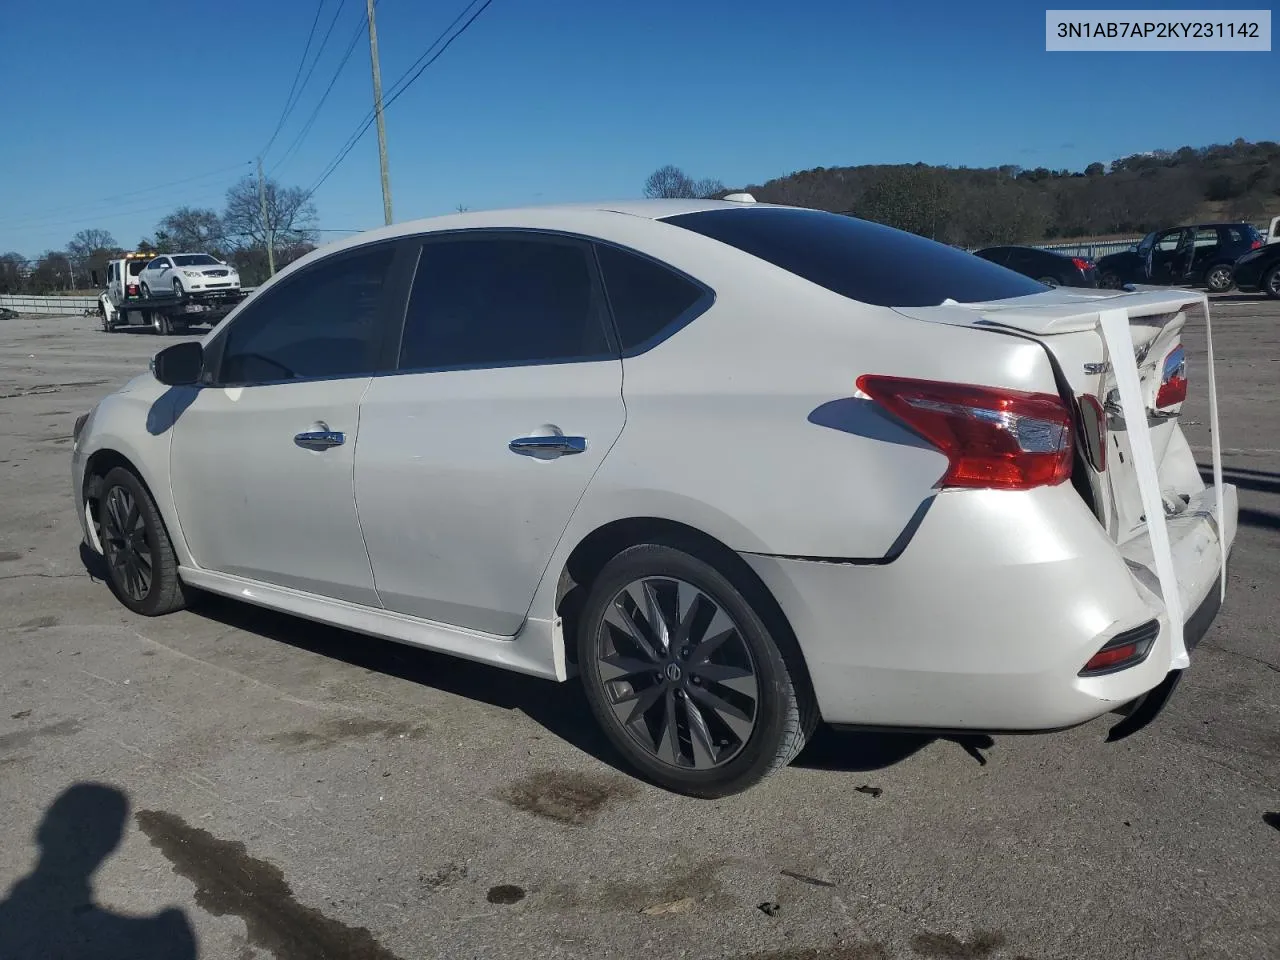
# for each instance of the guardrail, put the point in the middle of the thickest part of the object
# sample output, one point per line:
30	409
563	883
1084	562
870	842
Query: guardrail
56	306
1091	250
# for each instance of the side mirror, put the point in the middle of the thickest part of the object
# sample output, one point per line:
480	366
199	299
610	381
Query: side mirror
180	364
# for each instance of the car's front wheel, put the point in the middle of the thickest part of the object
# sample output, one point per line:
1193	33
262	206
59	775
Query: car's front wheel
142	569
685	675
177	287
1218	279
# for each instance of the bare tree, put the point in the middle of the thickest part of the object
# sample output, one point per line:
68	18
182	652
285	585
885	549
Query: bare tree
12	272
52	272
668	181
194	229
290	219
88	242
708	188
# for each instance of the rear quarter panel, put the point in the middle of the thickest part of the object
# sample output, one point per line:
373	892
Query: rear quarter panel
747	424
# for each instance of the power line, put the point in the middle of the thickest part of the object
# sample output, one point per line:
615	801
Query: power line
288	101
81	221
324	42
36	219
403	85
306	127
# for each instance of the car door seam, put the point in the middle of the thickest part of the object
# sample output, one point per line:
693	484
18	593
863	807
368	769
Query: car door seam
355	501
555	548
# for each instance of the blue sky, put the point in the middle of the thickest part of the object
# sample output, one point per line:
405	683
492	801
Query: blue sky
549	100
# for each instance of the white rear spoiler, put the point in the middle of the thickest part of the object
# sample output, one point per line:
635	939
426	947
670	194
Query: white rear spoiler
1068	312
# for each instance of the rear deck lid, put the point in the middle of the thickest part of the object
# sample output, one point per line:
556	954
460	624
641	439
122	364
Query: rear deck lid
1124	348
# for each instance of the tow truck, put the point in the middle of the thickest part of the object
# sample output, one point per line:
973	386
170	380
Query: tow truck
122	303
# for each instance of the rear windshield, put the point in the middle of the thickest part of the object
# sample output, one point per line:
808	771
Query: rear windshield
194	260
864	261
135	267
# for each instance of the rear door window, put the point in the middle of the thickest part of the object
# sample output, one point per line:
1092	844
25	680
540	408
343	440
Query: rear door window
503	300
649	300
858	259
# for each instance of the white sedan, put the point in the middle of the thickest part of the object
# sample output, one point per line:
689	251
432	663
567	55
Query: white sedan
180	274
740	468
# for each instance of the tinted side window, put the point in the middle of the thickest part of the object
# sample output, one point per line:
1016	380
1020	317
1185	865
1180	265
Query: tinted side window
645	296
499	301
864	261
322	322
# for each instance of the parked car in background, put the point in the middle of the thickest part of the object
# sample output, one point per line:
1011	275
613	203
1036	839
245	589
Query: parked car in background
1049	267
741	468
1201	254
178	274
1259	271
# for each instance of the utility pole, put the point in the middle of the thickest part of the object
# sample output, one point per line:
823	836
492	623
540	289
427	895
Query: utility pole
377	110
267	231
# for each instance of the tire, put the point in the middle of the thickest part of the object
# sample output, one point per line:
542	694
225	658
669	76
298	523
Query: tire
734	741
1218	278
1049	281
146	292
107	326
1109	281
131	529
177	288
1270	283
162	323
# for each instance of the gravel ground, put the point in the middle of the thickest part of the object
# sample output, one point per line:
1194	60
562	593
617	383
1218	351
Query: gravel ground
266	787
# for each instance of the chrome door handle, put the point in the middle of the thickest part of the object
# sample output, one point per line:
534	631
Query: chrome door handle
554	444
320	439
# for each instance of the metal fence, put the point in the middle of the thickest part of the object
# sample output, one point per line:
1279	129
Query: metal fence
57	306
53	306
1092	250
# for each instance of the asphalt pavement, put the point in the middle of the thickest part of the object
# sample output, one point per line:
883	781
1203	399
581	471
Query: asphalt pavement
228	782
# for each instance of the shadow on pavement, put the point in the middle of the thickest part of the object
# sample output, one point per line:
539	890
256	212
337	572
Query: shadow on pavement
51	912
849	751
561	708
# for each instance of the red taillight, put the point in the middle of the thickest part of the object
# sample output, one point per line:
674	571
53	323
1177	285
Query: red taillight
1109	658
131	289
1173	379
1122	651
994	437
1083	265
1255	245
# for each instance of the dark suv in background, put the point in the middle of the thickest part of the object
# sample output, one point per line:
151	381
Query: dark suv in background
1201	254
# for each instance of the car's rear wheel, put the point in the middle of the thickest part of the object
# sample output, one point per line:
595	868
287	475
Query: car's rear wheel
142	569
1271	282
1109	281
177	287
1218	279
1049	281
685	676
